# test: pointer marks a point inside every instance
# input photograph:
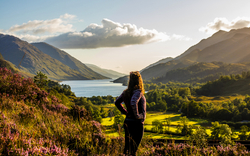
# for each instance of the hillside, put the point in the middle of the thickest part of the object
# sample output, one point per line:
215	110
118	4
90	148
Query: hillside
165	60
123	80
105	72
227	86
35	121
66	59
33	60
214	39
228	47
203	71
6	64
161	69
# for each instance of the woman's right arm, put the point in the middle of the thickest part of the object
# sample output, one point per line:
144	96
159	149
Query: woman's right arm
118	103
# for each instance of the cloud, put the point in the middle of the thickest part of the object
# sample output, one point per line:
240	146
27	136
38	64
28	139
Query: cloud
33	38
224	24
108	34
38	27
180	37
67	16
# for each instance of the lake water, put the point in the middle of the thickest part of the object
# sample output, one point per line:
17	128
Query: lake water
89	88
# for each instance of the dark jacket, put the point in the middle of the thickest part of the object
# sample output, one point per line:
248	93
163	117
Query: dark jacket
136	105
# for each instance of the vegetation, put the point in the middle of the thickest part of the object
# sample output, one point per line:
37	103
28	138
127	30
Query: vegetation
227	85
202	72
42	117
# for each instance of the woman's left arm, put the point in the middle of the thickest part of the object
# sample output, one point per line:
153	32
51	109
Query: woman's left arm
134	104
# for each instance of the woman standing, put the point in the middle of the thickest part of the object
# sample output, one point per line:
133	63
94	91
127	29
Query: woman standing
135	102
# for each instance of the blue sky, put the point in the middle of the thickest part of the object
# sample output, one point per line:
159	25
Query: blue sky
121	35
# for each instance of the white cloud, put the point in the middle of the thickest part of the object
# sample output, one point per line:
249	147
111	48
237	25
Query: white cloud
224	24
67	16
33	38
38	27
181	37
109	34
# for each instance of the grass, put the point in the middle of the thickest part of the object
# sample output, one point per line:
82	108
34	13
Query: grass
215	99
151	116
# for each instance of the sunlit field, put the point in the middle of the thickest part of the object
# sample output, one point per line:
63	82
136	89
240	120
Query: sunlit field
151	116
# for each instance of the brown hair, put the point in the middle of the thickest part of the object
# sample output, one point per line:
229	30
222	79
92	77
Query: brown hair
135	82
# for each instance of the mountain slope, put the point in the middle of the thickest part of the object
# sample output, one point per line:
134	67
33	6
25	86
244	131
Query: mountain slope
161	69
66	59
215	38
232	47
6	64
228	47
105	72
165	60
33	60
204	71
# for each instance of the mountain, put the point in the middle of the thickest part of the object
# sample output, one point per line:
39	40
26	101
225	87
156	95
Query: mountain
165	60
12	67
123	80
228	47
214	39
231	49
6	64
203	71
162	68
105	72
66	59
32	60
158	70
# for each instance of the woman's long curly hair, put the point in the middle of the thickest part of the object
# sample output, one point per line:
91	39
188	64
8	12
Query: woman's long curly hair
135	82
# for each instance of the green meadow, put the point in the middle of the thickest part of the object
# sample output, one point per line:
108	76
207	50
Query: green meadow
151	116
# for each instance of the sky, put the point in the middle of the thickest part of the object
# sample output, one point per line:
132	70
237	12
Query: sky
124	35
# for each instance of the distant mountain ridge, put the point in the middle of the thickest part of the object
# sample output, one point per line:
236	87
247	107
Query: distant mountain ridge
13	49
105	72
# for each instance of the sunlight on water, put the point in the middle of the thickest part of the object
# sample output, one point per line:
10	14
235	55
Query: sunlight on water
89	88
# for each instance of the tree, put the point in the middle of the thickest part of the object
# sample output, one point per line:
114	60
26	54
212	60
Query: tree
157	126
223	132
104	113
184	92
118	121
40	79
184	120
243	132
168	120
199	137
186	130
97	115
